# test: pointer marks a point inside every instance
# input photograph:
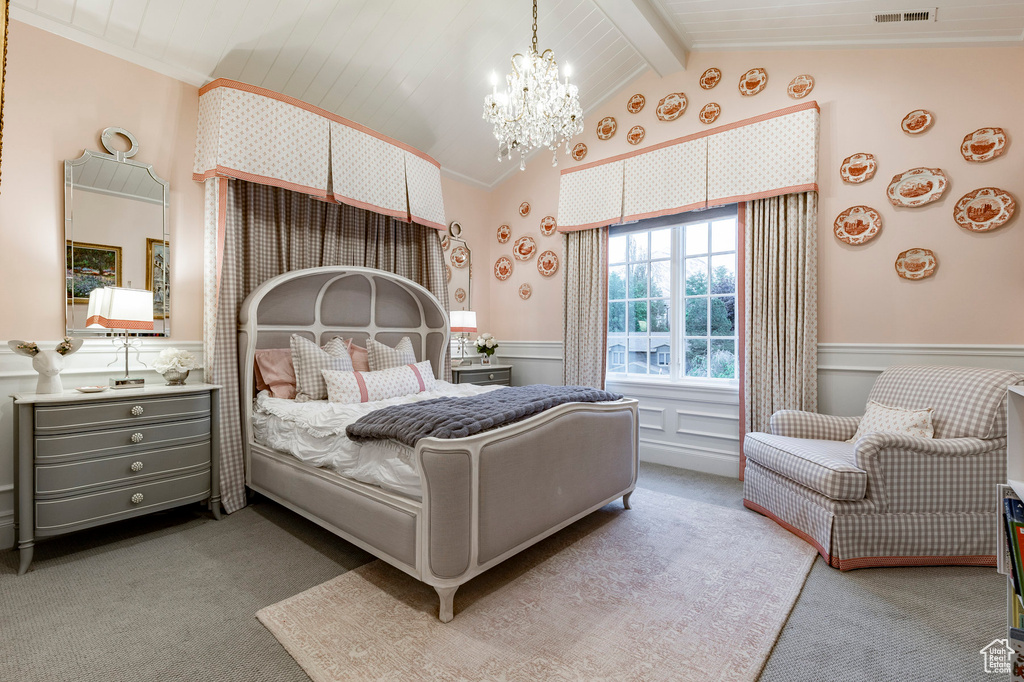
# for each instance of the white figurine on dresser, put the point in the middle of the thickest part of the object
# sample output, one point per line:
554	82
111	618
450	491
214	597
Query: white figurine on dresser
49	363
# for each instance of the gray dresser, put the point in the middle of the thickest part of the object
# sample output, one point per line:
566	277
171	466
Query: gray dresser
85	459
485	375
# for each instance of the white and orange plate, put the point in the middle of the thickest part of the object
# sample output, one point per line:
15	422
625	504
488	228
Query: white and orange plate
710	78
916	187
503	268
858	168
524	248
636	103
984	209
857	225
635	135
671	106
524	209
753	82
548	225
916	263
504	233
525	291
547	263
460	256
579	152
800	86
709	112
917	121
984	144
606	127
460	295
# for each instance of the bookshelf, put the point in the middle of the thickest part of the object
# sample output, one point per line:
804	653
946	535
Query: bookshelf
1014	488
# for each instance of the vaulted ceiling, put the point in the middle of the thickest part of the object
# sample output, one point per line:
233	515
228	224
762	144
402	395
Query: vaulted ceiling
417	70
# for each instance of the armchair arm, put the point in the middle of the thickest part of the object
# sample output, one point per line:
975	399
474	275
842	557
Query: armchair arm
871	444
799	424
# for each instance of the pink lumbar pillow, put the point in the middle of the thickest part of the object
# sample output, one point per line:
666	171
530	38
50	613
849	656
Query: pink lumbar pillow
360	357
366	387
275	372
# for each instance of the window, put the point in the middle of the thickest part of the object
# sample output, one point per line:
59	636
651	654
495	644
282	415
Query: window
672	296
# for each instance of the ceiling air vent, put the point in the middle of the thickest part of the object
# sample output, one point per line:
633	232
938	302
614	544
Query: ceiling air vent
916	15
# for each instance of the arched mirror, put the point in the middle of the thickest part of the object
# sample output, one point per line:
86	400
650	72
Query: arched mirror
459	264
115	230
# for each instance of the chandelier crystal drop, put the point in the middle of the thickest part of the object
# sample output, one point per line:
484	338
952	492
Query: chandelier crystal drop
536	109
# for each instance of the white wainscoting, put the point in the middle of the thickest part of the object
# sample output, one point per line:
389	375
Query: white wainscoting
533	362
86	367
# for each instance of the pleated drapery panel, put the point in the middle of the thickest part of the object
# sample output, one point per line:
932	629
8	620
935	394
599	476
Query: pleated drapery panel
269	231
585	309
781	310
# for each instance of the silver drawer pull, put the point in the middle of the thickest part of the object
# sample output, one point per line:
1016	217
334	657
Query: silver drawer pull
136	437
137	498
490	376
136	467
137	411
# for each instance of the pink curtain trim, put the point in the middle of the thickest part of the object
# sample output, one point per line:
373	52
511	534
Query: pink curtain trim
589	226
739	198
222	226
225	172
428	223
390	212
666	211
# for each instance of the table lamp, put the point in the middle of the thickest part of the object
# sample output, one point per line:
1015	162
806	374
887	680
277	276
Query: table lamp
464	322
121	308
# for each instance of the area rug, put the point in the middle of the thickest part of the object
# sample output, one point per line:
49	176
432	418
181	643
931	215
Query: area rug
671	590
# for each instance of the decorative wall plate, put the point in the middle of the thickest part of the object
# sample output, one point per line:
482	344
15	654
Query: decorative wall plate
857	225
445	242
753	82
503	268
525	291
984	209
709	112
548	225
460	295
524	209
524	248
504	233
671	106
800	86
606	127
460	256
579	151
858	168
917	121
547	263
916	187
710	78
984	144
636	103
448	270
916	264
635	135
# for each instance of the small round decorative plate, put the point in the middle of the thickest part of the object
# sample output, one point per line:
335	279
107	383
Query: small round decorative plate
671	106
579	152
525	291
548	225
858	168
800	86
445	242
460	256
710	78
606	127
524	209
916	187
635	135
524	248
91	389
984	209
636	103
503	268
547	263
857	225
710	112
917	121
916	264
448	270
753	82
504	233
984	144
460	295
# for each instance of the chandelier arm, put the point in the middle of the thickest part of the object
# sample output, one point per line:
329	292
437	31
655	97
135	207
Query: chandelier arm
535	26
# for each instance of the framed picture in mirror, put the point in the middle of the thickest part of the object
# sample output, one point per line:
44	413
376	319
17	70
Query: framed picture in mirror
91	266
157	276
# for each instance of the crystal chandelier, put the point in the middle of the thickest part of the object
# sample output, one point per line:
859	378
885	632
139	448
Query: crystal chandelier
536	109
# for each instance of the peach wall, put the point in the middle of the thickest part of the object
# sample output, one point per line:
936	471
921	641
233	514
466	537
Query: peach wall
863	95
59	96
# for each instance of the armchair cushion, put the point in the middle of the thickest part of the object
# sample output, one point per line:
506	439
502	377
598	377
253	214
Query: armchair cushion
826	466
800	424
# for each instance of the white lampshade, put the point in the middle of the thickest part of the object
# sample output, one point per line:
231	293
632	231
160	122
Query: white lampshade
463	321
120	308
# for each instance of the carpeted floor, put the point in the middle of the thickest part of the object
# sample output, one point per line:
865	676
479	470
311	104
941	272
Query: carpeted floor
173	596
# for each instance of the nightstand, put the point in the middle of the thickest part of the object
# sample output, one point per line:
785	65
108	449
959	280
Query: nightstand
485	375
86	459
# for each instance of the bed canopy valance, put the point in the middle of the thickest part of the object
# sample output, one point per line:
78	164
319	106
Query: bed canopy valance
768	155
261	136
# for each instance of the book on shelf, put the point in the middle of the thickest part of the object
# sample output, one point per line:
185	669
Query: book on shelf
1013	517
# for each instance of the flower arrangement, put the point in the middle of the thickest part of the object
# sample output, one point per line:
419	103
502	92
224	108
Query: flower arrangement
486	344
174	359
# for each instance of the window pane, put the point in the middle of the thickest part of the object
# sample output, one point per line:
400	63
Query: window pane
659	316
637	317
617	353
661	243
638	246
637	358
723	274
617	249
696	358
723	235
696	239
617	283
723	359
638	280
661	278
696	276
723	316
696	317
661	355
617	317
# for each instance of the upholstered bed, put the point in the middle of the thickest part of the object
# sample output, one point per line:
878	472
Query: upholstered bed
484	497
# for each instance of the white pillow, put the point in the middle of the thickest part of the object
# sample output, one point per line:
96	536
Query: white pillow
886	419
308	359
366	387
383	356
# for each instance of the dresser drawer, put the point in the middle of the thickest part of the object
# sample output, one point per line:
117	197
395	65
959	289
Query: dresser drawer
485	377
120	412
70	477
59	516
91	444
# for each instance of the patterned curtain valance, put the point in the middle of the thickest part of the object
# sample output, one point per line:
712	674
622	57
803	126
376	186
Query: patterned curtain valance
261	136
764	156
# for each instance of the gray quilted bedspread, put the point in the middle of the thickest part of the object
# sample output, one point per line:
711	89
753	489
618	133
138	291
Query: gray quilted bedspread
460	417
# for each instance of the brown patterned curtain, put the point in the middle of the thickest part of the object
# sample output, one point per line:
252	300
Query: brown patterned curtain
585	310
270	231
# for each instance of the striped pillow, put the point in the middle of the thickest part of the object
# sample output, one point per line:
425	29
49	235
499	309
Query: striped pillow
383	356
366	387
308	359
